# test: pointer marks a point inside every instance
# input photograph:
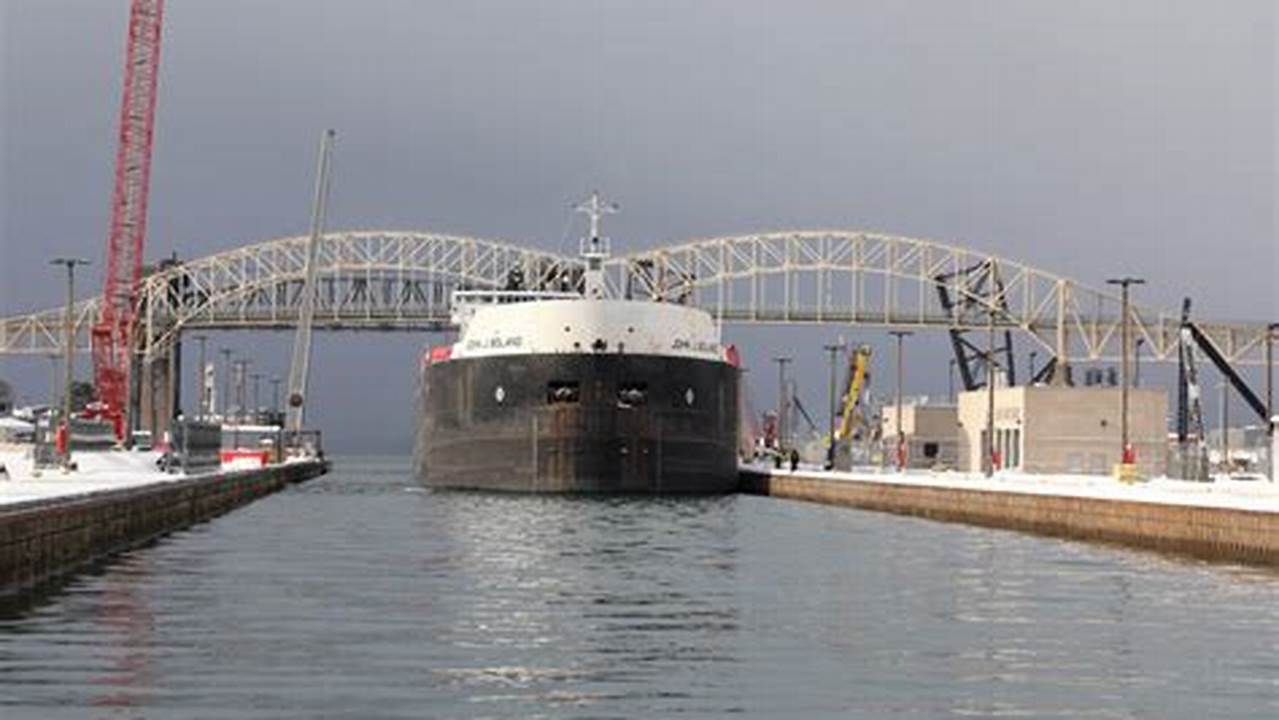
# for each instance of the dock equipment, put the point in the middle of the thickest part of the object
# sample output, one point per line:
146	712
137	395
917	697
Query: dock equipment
1190	424
113	332
301	364
858	377
968	295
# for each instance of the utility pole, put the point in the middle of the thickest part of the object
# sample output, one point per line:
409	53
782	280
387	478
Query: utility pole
1126	455
68	321
1225	425
1270	395
257	403
783	402
830	433
202	405
226	382
241	374
1271	331
900	449
988	447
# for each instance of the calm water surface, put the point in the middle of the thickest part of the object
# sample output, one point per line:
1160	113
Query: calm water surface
359	595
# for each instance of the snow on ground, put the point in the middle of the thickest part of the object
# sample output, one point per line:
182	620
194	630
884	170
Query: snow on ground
1258	495
97	472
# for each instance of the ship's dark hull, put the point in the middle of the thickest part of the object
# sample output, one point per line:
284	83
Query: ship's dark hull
605	423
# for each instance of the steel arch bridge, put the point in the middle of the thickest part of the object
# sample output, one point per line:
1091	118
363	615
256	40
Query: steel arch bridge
388	280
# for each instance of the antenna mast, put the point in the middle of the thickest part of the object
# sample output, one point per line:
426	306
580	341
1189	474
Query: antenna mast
595	249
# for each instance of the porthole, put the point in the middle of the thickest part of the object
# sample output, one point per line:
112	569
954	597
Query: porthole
689	397
499	394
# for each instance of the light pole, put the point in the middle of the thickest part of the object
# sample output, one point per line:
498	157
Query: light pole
226	382
257	403
275	394
900	450
1225	426
783	403
830	435
988	447
1270	396
241	373
1271	331
1126	455
68	353
202	405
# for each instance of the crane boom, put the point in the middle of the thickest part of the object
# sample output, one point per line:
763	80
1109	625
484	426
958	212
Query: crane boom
301	365
858	369
113	332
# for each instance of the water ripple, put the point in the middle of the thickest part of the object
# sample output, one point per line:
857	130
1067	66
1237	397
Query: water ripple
359	595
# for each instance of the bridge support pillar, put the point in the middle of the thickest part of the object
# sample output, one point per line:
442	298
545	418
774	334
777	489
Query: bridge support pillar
159	384
1061	364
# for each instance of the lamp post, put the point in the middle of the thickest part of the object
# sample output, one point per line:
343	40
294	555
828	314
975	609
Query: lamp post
257	403
830	434
1270	385
1225	425
68	320
1271	331
988	447
201	405
241	374
275	394
783	404
900	450
226	382
1126	455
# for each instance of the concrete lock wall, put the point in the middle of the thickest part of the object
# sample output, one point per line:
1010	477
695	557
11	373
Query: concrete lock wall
1219	534
1045	429
40	540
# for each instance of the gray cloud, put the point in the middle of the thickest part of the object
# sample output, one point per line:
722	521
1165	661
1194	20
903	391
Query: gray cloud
1087	138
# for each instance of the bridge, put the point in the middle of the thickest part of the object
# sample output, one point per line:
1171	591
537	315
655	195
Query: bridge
402	281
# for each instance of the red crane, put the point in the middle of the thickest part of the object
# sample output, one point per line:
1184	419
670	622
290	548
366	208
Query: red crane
113	333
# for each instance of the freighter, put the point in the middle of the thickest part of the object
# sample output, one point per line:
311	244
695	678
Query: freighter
577	392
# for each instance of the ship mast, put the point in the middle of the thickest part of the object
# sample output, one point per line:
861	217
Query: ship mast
595	249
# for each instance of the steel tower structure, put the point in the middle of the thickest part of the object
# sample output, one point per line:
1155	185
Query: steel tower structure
113	331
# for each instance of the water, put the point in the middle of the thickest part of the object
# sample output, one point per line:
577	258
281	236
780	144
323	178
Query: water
358	595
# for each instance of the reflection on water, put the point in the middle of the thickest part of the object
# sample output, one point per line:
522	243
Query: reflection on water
362	595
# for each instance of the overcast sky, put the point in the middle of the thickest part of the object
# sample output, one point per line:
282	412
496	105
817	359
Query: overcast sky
1086	138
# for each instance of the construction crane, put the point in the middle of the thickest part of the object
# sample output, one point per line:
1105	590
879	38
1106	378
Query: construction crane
858	373
301	364
112	334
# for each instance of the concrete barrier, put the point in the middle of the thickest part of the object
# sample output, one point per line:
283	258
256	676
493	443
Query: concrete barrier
1211	533
42	539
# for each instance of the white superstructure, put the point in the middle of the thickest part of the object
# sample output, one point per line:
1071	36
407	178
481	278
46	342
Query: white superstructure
520	322
559	324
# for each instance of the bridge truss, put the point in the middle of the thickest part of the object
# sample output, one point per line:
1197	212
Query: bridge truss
404	280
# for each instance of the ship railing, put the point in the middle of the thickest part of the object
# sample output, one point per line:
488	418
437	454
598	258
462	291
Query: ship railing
464	302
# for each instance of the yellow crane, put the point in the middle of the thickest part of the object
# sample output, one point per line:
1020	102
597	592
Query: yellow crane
850	416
